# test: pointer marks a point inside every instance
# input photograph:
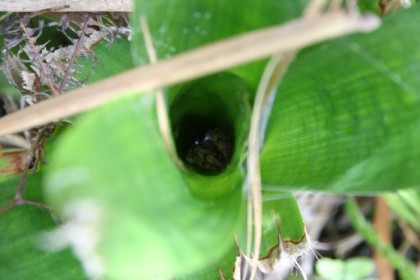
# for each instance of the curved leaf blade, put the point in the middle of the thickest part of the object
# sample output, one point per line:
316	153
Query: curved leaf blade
143	213
346	118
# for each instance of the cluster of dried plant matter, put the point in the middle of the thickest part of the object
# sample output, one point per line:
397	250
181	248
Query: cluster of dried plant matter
39	66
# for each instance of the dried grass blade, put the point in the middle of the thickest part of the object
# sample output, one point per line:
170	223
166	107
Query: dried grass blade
206	60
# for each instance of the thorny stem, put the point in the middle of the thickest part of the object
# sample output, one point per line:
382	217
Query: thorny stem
37	55
73	56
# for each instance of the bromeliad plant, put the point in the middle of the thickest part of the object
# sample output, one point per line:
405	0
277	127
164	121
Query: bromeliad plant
343	118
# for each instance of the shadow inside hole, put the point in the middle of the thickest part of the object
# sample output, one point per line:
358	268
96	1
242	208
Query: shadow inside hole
204	144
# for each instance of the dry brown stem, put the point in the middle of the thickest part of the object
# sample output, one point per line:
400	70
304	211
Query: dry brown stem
382	225
41	63
196	63
74	55
68	5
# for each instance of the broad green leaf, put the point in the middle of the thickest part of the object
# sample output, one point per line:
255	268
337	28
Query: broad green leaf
111	58
146	221
346	116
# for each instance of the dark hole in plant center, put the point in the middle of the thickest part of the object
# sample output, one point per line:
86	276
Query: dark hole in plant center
204	144
2	107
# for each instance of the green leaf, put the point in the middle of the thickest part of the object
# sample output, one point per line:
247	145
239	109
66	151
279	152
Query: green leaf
346	116
142	210
284	211
111	59
369	6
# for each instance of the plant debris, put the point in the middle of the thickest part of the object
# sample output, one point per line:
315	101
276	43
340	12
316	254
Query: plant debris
41	58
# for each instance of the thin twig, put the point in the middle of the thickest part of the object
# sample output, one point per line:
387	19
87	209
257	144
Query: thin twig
18	197
22	182
382	226
196	63
37	204
161	107
274	71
